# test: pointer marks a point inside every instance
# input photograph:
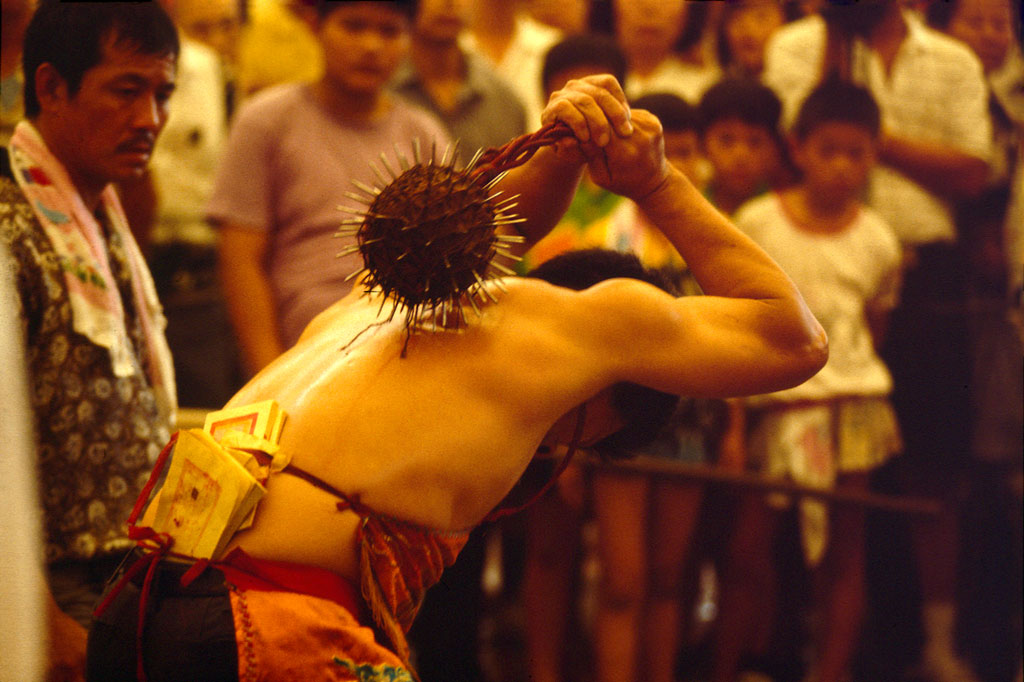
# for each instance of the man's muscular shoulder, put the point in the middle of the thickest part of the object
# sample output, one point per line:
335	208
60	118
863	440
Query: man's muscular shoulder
612	302
608	322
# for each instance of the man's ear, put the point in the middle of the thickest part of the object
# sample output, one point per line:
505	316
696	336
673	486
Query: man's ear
51	88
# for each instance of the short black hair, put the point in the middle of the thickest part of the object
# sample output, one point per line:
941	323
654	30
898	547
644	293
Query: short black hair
744	98
584	49
325	7
939	14
837	101
71	37
645	410
675	113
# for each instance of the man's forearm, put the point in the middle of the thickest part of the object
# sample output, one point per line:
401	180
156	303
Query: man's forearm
724	260
546	185
727	263
944	171
251	308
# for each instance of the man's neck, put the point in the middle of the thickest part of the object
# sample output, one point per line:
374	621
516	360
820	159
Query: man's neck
727	200
352	107
89	188
494	25
495	18
822	206
887	37
10	58
815	212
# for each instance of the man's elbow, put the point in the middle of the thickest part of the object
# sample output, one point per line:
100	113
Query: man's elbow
808	352
816	352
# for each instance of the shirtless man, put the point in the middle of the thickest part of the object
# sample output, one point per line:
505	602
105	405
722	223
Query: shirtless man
437	438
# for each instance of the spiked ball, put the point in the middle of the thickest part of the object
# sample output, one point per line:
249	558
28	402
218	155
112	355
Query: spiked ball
429	236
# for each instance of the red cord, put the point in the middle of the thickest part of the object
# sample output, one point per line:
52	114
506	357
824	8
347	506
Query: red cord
516	152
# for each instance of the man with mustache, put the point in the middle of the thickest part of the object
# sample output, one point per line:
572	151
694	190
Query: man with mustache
98	77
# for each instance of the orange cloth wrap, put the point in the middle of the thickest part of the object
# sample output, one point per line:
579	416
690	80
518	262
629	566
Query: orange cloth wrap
398	562
286	635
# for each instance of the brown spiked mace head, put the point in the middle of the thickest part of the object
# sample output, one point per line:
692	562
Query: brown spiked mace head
429	236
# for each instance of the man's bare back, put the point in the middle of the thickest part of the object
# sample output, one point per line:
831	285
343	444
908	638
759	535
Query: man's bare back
438	437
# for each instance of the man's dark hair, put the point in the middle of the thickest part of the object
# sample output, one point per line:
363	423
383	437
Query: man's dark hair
325	7
584	50
939	14
71	36
743	98
675	113
644	409
855	18
837	101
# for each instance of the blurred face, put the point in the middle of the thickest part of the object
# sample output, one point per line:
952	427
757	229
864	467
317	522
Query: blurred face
682	149
363	44
649	27
442	20
987	28
214	23
835	158
106	131
741	154
748	29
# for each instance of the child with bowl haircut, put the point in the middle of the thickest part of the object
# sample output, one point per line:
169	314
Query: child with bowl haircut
835	428
739	134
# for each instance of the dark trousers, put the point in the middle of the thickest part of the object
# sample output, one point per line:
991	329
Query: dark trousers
189	632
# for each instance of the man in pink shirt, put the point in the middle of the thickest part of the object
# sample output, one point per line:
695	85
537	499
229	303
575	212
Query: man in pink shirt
293	152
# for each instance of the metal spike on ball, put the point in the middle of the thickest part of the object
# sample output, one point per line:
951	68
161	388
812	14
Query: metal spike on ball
429	235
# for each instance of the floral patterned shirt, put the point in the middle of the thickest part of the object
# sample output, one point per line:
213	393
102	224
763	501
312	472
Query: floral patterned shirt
97	433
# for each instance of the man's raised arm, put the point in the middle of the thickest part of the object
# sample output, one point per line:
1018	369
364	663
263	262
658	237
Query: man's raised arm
753	332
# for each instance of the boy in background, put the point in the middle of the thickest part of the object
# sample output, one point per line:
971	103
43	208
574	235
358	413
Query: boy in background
740	123
292	152
835	428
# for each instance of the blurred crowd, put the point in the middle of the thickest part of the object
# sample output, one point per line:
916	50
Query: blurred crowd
875	149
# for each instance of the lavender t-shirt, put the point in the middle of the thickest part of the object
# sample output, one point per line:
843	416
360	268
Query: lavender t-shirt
285	171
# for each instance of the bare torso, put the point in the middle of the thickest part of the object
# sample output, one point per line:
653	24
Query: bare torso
436	438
